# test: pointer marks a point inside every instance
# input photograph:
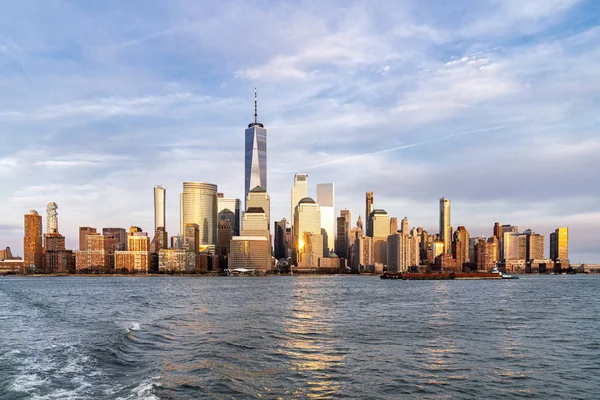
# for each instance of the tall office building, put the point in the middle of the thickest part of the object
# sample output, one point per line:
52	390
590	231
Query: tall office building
559	244
461	249
52	218
511	242
343	241
404	226
393	225
308	241
326	201
259	198
280	245
445	227
368	210
32	241
199	206
256	154
160	204
535	245
380	227
228	209
299	191
402	252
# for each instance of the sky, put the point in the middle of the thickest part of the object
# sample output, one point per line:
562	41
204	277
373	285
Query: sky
492	104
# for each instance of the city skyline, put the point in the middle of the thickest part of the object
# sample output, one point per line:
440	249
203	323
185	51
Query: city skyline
461	110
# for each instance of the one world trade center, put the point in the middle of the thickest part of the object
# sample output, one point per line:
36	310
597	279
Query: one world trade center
256	154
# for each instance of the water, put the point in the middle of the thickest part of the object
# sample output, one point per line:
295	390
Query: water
298	337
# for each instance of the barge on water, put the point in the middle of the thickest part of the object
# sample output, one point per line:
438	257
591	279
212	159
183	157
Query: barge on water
441	275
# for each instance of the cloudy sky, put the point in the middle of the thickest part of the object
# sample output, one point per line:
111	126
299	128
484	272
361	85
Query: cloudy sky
493	104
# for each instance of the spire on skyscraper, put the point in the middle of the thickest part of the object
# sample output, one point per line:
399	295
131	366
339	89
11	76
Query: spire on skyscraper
255	107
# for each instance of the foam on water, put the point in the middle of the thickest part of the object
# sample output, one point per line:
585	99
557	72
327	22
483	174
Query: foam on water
145	390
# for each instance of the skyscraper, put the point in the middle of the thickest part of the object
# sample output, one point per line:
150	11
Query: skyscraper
559	244
404	226
380	227
326	201
461	248
308	241
32	241
228	209
199	206
52	218
280	247
299	191
445	227
259	198
535	245
256	154
83	232
343	234
393	225
368	210
159	207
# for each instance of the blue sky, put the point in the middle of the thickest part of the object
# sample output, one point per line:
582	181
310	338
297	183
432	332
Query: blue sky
493	104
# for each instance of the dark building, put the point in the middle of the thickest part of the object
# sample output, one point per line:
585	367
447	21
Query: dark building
280	239
117	238
224	237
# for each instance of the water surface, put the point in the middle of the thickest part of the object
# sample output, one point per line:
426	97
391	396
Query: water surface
298	337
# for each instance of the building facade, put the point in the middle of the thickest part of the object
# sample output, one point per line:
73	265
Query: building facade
380	230
299	191
255	157
160	207
250	252
559	244
307	227
229	209
32	241
52	218
445	227
199	206
326	201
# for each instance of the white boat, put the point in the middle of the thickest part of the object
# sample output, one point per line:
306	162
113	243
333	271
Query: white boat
495	270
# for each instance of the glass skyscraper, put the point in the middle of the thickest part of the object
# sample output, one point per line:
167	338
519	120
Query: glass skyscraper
256	154
199	206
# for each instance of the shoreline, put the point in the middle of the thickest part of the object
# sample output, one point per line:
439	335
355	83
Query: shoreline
217	275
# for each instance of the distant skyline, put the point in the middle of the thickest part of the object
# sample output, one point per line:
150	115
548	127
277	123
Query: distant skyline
490	104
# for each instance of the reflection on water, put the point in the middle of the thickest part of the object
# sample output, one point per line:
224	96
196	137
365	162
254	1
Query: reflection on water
309	345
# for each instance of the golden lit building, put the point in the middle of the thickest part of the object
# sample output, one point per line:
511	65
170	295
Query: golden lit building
95	257
445	227
178	261
259	198
199	205
137	258
299	191
461	239
32	241
307	221
380	222
559	244
250	252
